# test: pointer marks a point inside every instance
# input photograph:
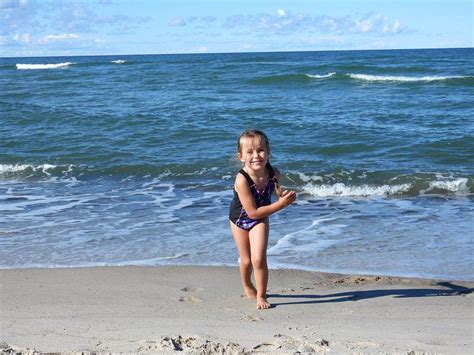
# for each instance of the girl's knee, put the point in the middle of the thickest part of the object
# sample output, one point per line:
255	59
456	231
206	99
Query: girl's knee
245	262
259	262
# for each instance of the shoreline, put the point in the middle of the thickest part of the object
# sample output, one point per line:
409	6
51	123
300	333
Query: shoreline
289	269
201	308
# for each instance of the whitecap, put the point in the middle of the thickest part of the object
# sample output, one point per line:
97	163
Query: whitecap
12	168
324	76
368	77
44	168
308	178
340	189
458	186
119	61
43	66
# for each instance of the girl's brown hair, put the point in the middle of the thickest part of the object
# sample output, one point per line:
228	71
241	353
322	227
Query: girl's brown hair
252	133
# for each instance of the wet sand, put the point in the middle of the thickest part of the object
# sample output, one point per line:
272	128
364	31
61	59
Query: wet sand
203	310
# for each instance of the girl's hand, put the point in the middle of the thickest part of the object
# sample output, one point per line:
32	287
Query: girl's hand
287	197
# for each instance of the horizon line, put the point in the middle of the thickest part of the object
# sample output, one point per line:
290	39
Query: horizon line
256	52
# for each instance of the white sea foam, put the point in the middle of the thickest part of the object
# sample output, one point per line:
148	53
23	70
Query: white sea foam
287	241
9	168
43	168
119	61
153	261
368	77
43	66
343	190
458	186
308	178
315	76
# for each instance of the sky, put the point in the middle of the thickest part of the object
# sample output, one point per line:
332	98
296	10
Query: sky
111	27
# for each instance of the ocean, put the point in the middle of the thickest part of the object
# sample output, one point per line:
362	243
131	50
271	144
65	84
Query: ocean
130	160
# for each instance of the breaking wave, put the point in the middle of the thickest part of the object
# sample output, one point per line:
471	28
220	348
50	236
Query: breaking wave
368	77
363	184
42	66
324	76
304	78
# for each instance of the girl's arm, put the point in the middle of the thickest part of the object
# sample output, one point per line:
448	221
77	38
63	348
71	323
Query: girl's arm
248	202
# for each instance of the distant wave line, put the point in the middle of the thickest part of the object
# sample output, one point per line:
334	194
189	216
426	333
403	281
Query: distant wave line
315	76
42	66
365	77
369	77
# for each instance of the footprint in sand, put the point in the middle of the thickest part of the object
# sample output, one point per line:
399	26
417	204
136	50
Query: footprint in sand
190	299
287	344
250	318
191	289
365	344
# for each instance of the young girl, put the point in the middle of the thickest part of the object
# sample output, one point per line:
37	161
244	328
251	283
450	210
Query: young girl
250	208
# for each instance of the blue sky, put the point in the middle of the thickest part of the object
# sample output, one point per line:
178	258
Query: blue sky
99	27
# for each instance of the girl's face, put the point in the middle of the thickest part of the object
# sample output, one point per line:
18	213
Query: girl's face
253	153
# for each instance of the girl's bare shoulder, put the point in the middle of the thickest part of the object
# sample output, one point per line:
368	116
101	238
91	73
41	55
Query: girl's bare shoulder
240	181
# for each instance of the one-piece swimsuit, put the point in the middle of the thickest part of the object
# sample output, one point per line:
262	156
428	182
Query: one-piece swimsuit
237	213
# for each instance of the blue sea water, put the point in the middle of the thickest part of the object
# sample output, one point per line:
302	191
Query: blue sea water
129	160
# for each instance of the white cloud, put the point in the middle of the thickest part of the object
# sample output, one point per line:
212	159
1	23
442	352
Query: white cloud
287	23
15	40
178	22
377	23
395	27
59	38
25	38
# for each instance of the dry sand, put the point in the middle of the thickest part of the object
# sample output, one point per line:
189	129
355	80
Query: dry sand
202	310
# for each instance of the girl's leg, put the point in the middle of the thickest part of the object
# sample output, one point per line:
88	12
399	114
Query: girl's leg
241	238
258	247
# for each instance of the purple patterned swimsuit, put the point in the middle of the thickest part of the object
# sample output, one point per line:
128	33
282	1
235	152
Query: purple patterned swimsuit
237	213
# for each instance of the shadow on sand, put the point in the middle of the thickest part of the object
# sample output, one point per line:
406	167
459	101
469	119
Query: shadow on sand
450	290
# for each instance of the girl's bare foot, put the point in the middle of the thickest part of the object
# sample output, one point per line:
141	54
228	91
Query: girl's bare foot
262	303
250	291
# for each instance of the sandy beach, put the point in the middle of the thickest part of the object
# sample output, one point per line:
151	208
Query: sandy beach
202	309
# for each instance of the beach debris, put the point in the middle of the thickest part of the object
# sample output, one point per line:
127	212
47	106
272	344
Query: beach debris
251	318
6	349
192	345
359	279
